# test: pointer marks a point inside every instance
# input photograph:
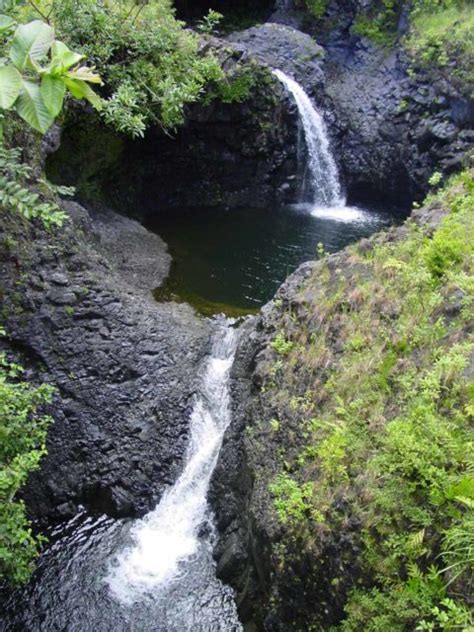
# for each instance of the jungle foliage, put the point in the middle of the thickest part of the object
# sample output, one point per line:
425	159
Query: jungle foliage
22	444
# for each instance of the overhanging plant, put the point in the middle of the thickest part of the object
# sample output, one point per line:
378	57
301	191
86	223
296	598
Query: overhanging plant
38	72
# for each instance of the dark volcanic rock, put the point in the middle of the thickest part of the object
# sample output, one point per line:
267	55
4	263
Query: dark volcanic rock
124	366
283	47
228	154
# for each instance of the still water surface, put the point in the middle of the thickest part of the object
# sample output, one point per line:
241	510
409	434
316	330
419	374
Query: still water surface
235	260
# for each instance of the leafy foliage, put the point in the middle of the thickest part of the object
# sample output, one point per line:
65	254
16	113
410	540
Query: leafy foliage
34	91
22	444
150	63
17	196
442	36
385	437
441	33
317	8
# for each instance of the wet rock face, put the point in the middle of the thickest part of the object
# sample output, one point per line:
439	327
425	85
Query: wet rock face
241	153
230	155
389	131
281	46
124	366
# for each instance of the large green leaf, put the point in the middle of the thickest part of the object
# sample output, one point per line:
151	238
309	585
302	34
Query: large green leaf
10	86
31	107
6	23
53	90
32	40
81	90
63	57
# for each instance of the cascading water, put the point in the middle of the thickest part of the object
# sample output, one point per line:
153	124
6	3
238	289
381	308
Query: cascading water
168	536
321	187
152	575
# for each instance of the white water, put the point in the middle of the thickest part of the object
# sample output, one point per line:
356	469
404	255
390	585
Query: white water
322	188
168	536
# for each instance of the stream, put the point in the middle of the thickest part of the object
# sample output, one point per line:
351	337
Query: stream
158	573
154	574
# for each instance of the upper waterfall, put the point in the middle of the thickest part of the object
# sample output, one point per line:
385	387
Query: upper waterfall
321	186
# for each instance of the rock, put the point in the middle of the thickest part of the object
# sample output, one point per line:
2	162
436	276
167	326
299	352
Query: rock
280	586
124	366
283	47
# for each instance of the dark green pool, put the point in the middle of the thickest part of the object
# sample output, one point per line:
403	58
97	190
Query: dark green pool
233	261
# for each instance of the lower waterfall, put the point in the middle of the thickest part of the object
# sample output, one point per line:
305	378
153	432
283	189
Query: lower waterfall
169	535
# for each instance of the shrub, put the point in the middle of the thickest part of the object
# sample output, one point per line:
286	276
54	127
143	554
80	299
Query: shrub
442	36
150	63
384	438
22	444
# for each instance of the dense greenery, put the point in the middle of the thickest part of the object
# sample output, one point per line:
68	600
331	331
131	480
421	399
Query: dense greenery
16	194
444	39
441	33
150	64
22	444
385	437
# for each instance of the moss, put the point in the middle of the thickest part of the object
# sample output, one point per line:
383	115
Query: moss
170	291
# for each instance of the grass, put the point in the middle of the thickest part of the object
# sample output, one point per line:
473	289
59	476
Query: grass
444	39
378	365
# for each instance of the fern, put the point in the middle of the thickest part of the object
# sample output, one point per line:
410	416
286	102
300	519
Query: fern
17	197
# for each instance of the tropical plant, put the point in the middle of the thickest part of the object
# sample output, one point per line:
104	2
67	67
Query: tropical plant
152	66
23	435
41	69
16	195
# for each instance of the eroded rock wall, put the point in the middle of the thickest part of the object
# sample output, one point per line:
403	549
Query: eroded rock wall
79	314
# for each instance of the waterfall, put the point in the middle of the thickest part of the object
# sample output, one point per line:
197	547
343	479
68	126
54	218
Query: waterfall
168	535
321	185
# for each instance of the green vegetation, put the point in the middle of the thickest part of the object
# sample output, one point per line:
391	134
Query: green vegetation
22	444
380	22
317	8
385	431
149	62
281	345
237	87
444	38
34	91
441	33
17	196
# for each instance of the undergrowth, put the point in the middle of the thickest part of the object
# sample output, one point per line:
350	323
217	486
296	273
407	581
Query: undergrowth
386	437
23	435
440	34
444	38
20	190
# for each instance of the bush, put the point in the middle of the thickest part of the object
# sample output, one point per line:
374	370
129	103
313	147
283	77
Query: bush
384	352
22	444
150	63
442	36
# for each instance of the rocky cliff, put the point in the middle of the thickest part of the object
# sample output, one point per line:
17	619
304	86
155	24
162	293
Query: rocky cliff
348	433
79	314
